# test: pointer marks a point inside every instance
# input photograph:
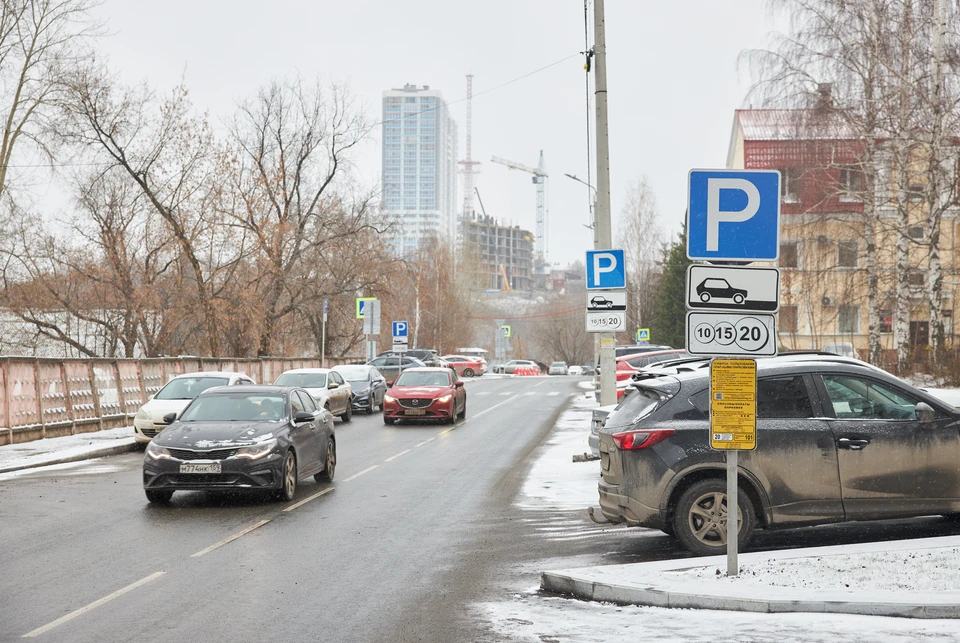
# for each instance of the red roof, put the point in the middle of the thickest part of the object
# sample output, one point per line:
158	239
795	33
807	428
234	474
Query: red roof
791	124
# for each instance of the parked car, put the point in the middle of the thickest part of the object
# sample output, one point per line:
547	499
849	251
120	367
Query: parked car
837	440
390	366
557	368
328	388
367	384
620	351
255	437
426	355
426	394
467	366
174	397
576	369
520	367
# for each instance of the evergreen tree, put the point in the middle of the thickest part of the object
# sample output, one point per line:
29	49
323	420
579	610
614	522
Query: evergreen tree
669	321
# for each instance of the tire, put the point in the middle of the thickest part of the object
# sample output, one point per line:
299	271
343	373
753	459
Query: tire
158	496
463	414
468	372
330	463
738	299
288	478
388	421
705	297
702	529
348	414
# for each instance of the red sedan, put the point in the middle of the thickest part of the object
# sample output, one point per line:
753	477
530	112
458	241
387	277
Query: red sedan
425	394
467	366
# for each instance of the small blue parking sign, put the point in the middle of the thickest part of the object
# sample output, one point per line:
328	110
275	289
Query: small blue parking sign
400	328
606	269
733	215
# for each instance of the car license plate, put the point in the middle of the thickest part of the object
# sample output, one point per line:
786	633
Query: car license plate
200	468
416	412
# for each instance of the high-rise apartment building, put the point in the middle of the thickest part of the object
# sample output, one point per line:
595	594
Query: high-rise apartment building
419	166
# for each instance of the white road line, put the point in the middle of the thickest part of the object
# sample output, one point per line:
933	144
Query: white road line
481	393
93	605
507	393
306	500
357	475
424	442
488	410
530	393
553	393
229	539
540	383
394	457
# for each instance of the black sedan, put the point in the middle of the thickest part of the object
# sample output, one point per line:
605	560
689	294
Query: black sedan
368	384
247	437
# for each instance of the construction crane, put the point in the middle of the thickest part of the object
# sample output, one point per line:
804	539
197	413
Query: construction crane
540	180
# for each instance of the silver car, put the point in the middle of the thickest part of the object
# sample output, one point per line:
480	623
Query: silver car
326	387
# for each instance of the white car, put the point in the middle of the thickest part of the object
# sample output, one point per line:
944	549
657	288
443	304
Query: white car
326	386
575	370
557	368
174	397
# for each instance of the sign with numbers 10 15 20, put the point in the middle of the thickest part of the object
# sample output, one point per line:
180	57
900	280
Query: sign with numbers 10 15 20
731	334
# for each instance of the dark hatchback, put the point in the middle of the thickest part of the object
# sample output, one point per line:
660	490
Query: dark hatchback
837	440
242	437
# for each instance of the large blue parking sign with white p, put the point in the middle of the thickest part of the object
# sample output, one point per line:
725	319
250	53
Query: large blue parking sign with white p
733	215
606	269
400	329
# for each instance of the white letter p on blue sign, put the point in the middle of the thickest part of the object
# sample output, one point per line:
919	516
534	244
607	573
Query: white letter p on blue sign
605	269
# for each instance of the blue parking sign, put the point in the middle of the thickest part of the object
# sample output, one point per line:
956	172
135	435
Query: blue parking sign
606	269
733	215
400	328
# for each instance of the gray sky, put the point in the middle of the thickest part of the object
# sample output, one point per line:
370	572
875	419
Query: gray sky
672	74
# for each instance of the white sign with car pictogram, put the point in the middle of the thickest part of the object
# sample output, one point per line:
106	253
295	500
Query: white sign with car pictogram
728	288
725	334
607	300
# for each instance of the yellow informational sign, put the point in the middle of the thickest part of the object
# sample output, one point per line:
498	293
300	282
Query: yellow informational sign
733	404
607	342
361	305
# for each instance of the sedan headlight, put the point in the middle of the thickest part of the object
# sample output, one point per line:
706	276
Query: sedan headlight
157	452
142	415
256	451
387	398
446	398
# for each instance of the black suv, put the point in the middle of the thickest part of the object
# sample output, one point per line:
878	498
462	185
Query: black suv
837	440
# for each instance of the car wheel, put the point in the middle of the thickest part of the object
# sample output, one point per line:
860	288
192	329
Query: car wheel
468	372
700	522
348	414
463	413
288	479
738	298
705	297
387	420
159	496
330	465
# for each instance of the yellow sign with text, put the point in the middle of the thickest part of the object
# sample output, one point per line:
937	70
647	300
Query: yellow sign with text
733	404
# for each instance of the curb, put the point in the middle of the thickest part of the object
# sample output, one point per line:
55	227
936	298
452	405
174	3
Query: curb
87	455
653	596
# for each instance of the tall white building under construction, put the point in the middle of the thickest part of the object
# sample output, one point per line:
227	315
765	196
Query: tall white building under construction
419	167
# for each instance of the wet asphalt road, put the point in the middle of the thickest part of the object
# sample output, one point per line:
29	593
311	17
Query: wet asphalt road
419	528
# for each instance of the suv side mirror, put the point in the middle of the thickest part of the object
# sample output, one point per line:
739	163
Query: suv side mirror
169	418
925	413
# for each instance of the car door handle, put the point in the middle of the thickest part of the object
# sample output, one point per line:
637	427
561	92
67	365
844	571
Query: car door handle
854	444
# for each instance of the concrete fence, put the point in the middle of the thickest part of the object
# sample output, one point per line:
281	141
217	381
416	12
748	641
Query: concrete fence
44	398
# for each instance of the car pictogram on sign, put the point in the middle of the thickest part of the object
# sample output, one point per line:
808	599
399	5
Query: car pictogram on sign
600	301
720	289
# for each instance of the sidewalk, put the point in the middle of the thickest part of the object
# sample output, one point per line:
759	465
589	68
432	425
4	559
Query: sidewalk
69	448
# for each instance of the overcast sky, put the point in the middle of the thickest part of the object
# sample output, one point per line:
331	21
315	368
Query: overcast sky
672	75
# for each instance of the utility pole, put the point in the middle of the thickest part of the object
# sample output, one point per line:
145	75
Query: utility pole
603	237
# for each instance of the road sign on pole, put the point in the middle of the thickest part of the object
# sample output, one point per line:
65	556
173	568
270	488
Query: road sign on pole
606	269
606	322
728	288
731	334
505	331
733	404
607	300
643	335
733	215
401	332
362	306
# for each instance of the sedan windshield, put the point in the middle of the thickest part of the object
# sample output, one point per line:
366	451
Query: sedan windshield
235	408
303	380
409	378
354	373
187	388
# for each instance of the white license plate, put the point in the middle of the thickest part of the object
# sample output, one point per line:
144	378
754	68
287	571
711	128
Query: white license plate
200	468
416	412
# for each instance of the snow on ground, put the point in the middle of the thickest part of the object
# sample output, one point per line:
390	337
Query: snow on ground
949	395
39	452
930	570
554	480
79	468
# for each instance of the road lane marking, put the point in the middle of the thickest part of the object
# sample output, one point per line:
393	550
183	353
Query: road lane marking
486	411
507	393
93	605
482	393
540	383
229	539
553	393
306	500
424	442
394	457
530	393
357	475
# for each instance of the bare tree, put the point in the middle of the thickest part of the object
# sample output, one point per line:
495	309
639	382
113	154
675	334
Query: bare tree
641	237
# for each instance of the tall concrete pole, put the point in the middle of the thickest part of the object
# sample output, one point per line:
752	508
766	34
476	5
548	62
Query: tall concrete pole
603	238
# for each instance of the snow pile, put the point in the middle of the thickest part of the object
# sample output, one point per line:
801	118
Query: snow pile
930	570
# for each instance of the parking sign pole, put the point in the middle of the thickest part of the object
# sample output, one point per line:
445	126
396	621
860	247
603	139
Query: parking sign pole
733	505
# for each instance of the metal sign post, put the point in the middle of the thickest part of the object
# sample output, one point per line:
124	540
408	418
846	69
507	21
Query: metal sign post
323	340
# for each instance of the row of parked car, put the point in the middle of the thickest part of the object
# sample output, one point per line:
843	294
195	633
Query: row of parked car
837	440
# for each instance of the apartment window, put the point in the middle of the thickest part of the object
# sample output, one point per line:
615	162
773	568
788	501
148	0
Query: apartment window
886	321
789	255
392	146
412	161
848	254
410	99
851	184
428	147
915	232
790	185
788	319
848	319
916	278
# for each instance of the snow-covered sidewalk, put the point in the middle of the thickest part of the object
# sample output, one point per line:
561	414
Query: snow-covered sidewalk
68	448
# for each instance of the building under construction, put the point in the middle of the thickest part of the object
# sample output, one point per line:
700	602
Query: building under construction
505	253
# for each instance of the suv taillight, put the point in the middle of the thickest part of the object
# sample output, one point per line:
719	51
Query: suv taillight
634	440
